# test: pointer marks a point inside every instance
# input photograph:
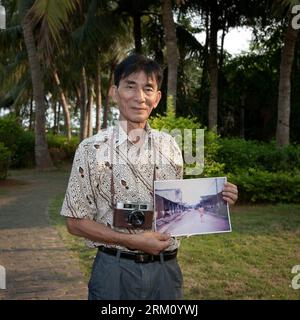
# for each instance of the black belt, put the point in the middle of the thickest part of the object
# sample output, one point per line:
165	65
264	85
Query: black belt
139	257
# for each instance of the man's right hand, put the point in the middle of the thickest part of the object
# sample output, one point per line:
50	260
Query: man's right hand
150	242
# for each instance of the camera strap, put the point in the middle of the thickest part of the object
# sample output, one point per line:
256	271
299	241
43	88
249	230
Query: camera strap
112	185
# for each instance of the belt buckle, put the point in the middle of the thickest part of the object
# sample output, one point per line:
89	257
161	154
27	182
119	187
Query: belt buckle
143	258
140	258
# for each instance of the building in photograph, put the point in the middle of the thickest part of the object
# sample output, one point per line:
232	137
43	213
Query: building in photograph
213	203
168	202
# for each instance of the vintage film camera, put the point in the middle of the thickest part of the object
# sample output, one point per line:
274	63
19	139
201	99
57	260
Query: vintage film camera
133	215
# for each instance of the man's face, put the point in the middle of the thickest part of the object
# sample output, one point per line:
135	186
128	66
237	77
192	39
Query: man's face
137	95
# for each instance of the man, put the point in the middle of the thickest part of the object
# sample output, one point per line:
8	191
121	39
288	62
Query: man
117	168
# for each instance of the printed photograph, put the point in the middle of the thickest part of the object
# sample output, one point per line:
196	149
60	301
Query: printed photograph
191	206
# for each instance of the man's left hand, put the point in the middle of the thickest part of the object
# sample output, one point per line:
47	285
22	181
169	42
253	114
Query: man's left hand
230	193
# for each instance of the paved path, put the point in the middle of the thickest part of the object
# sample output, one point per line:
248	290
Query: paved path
190	222
38	265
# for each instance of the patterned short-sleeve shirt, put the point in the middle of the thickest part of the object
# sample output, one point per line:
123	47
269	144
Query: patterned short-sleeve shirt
134	166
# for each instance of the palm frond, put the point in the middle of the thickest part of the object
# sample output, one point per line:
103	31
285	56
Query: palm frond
13	71
283	7
52	16
187	40
11	38
99	26
18	92
15	85
24	6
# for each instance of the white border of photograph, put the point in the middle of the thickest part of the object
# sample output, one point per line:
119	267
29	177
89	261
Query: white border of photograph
184	212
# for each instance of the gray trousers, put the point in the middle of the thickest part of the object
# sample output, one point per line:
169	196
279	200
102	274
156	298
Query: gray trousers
115	278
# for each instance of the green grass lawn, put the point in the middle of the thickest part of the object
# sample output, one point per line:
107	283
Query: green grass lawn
254	261
75	244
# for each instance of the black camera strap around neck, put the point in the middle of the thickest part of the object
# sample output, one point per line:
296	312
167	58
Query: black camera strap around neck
111	166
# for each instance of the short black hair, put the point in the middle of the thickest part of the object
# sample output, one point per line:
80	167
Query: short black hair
135	63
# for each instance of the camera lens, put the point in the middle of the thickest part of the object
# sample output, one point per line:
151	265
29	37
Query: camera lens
136	218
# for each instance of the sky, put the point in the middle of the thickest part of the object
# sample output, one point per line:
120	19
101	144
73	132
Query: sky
236	40
192	189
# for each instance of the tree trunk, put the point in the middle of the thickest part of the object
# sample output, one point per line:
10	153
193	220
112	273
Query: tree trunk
242	117
137	33
64	104
83	105
224	32
172	50
55	115
31	115
90	108
284	93
42	156
106	107
78	98
18	115
213	73
58	118
98	97
204	77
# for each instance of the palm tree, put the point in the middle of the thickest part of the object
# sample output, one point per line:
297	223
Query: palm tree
98	93
64	103
284	92
103	39
42	156
14	73
135	10
213	69
172	52
49	18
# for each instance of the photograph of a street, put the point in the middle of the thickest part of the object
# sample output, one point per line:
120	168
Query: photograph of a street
190	207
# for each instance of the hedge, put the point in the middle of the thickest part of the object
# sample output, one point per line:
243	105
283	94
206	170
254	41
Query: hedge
5	155
239	154
270	187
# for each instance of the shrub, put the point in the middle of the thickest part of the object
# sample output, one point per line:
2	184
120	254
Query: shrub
5	155
170	122
24	154
19	142
262	172
241	154
60	148
10	131
262	186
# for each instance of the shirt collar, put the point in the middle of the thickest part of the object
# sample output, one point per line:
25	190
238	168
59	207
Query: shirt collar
121	136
